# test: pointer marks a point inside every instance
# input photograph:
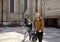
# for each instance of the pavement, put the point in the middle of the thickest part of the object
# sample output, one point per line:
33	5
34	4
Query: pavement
16	34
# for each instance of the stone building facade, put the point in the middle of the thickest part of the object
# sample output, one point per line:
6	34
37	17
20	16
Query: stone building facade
52	12
16	10
17	6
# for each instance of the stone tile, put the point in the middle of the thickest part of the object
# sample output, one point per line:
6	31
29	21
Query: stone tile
16	34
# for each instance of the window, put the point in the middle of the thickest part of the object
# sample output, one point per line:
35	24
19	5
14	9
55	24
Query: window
36	5
25	5
49	8
11	5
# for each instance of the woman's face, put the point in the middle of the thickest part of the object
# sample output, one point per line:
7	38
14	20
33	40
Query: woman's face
29	20
37	15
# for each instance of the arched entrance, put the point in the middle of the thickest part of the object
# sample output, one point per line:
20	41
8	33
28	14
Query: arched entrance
51	22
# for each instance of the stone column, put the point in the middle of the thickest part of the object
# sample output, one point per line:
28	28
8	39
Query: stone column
33	9
7	9
15	9
33	6
17	6
4	9
28	6
43	9
0	9
21	16
39	6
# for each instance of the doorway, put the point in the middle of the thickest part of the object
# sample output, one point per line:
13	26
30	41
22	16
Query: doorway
51	22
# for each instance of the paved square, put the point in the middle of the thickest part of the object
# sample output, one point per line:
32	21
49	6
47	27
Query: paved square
16	34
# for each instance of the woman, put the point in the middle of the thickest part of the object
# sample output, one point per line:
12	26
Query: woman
39	26
30	28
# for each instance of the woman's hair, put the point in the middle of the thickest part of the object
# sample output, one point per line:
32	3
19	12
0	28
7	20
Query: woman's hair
40	18
37	14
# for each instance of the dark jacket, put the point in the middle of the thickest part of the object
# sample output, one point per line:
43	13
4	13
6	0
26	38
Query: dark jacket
30	26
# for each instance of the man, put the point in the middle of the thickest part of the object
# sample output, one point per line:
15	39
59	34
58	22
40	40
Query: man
39	26
25	21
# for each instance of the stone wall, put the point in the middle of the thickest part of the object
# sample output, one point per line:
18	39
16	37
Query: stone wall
52	8
19	9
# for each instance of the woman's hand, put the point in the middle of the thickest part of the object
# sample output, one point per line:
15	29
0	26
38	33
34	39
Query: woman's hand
40	30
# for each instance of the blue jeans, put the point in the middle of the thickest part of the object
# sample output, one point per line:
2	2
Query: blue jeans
30	33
